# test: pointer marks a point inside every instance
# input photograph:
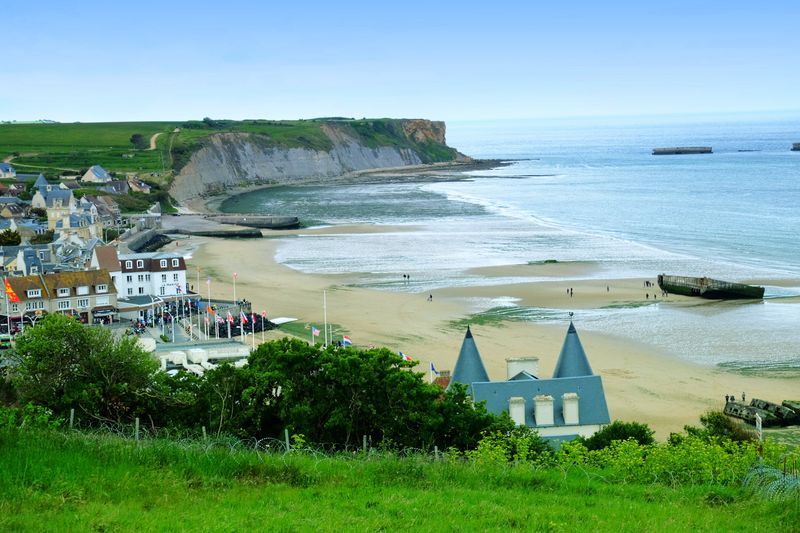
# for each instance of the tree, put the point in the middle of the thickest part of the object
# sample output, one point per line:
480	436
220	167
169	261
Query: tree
618	430
43	238
9	238
717	425
139	142
62	364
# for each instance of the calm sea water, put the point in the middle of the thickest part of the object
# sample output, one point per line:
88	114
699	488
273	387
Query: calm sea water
588	191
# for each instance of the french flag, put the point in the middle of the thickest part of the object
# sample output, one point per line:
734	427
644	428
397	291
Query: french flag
346	340
244	318
404	356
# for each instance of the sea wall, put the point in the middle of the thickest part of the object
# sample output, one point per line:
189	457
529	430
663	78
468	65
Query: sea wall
227	160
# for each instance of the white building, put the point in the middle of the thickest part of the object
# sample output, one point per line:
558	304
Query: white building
151	274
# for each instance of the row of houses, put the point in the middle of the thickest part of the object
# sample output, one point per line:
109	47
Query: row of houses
111	287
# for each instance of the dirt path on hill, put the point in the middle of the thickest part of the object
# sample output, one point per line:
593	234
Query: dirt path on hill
153	141
8	159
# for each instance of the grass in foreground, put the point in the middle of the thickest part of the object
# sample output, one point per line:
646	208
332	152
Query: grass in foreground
52	481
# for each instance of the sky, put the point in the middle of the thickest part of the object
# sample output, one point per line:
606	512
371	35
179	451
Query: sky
94	61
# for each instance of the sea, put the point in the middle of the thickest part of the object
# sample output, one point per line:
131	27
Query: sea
587	190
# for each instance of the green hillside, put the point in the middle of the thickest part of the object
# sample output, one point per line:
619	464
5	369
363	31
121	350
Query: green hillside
56	149
53	481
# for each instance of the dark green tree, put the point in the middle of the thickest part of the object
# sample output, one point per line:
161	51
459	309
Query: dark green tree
716	425
9	238
139	142
62	364
618	430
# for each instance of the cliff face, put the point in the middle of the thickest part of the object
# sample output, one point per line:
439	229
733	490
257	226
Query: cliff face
227	160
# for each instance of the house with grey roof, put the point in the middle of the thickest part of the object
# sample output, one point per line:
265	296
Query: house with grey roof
572	403
41	182
96	174
116	187
7	171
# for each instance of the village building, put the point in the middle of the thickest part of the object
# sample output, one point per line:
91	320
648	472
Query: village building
15	189
137	185
115	187
96	174
570	404
7	171
89	296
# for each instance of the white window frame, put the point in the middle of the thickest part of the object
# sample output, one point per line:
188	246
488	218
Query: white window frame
163	263
83	303
34	293
139	263
128	264
63	305
101	288
83	290
176	262
130	291
64	291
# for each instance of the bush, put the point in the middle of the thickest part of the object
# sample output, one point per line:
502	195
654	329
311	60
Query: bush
619	431
717	425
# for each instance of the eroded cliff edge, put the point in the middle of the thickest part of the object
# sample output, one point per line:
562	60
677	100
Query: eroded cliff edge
224	161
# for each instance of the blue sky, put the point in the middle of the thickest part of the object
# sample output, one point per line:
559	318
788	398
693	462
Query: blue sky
143	60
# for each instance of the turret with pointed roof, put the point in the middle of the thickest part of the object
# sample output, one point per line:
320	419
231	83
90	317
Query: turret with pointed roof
469	366
572	361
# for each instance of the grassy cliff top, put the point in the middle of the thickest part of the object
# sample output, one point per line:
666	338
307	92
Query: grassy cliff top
70	148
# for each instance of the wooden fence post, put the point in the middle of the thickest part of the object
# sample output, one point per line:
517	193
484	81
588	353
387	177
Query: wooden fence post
286	434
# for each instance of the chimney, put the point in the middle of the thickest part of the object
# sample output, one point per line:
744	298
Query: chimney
543	405
570	408
515	365
516	410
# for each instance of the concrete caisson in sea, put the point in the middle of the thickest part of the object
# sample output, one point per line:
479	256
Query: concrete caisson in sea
795	147
709	288
681	150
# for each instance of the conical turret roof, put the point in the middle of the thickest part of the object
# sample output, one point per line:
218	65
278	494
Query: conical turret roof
572	361
469	366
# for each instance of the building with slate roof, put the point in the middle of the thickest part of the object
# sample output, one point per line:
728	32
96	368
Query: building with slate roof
96	174
570	404
7	171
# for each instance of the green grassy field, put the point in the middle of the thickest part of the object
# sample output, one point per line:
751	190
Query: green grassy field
53	481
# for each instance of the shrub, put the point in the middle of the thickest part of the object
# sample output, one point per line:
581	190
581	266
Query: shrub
619	431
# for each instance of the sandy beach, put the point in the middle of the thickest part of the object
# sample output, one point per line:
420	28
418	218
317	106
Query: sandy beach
641	382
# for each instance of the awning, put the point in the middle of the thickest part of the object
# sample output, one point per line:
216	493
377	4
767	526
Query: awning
103	311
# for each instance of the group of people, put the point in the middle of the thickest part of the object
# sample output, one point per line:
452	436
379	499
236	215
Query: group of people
732	398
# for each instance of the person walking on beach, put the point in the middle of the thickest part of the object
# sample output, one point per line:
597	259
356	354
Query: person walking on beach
430	297
570	292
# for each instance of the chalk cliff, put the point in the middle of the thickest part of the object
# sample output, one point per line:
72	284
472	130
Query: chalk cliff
226	160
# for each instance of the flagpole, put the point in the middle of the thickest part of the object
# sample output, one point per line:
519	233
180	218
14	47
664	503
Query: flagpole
8	309
199	300
325	313
235	302
253	328
263	319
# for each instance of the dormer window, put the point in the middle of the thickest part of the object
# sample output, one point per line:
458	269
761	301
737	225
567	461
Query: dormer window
34	293
139	263
63	292
82	290
176	262
101	288
128	264
163	263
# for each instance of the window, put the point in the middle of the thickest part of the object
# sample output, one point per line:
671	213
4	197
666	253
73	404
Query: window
139	263
83	303
129	279
63	292
101	300
128	264
101	288
141	290
140	277
130	291
15	308
163	263
176	262
63	304
34	270
34	293
82	290
164	278
147	277
162	291
34	305
174	277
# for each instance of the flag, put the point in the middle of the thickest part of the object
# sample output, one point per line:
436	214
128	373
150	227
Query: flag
404	356
178	288
253	317
206	320
433	369
209	310
244	318
208	281
230	317
219	319
346	340
314	332
235	276
12	296
264	315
